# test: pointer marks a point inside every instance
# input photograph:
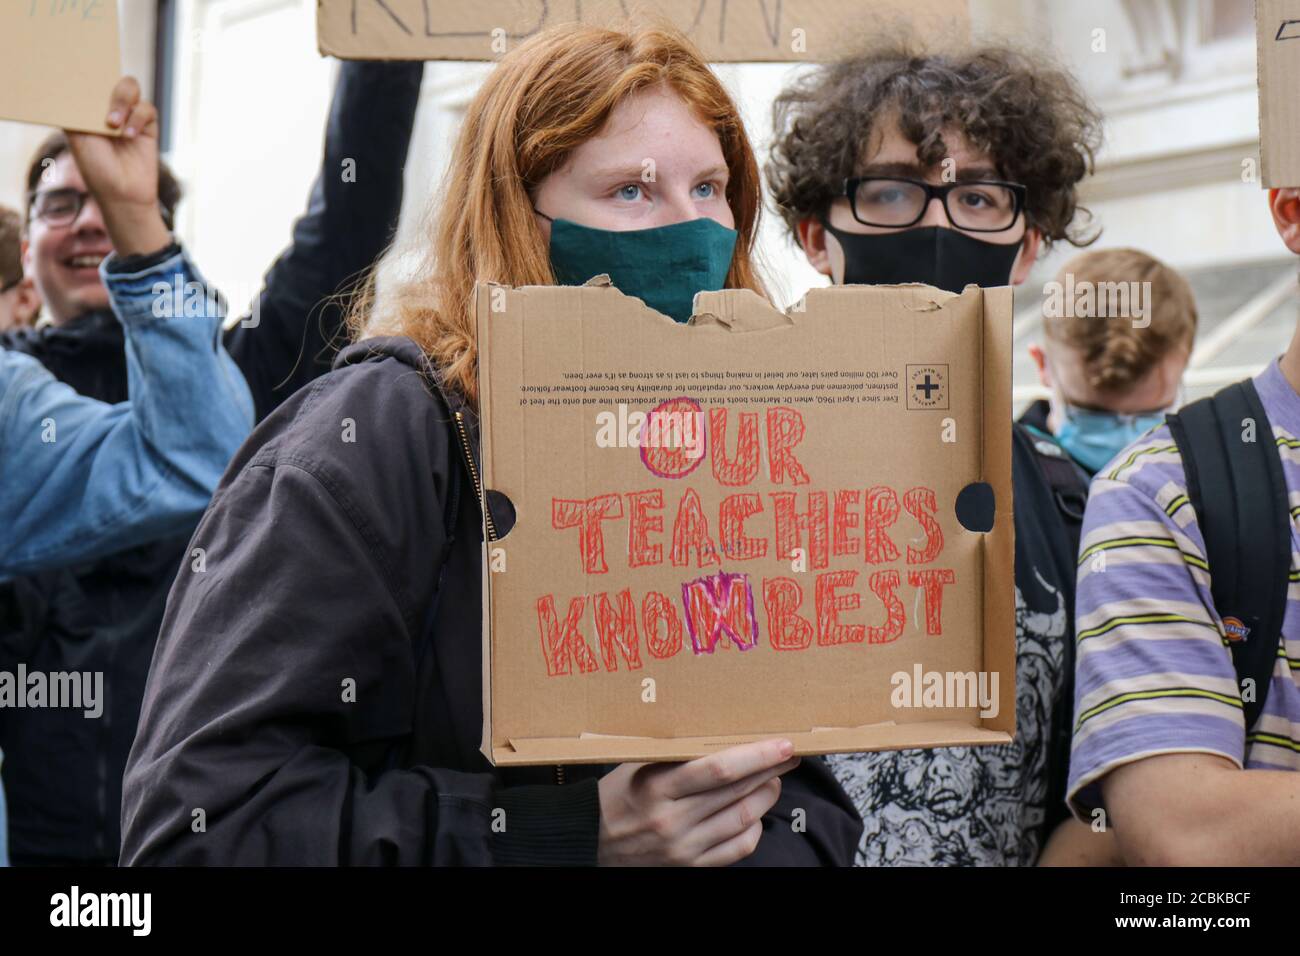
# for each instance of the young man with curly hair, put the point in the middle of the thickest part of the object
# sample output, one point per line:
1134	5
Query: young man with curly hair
897	165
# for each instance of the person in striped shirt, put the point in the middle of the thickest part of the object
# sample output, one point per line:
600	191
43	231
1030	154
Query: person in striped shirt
1160	742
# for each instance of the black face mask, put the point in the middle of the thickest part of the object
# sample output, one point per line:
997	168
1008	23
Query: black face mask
944	258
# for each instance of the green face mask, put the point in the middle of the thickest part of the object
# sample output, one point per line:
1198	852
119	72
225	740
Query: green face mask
663	267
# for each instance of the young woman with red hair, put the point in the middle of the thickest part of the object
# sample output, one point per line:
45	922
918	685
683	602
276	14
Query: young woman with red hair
322	555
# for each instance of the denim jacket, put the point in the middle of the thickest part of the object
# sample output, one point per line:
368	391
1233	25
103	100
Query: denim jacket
80	479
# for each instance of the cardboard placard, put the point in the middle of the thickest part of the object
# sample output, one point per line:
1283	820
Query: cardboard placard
1277	23
744	526
59	61
725	30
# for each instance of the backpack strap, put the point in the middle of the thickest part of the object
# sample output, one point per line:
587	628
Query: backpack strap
1068	481
1240	496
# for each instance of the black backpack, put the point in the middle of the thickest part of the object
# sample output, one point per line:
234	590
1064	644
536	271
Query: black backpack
1240	496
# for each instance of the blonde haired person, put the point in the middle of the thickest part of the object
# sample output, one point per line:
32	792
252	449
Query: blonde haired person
331	560
1118	326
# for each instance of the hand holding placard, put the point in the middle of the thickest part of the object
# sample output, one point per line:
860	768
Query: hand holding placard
58	60
708	812
121	172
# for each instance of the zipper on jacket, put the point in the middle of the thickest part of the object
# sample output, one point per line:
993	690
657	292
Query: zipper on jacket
473	474
487	517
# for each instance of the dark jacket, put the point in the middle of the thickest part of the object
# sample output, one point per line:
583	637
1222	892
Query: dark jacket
63	772
336	564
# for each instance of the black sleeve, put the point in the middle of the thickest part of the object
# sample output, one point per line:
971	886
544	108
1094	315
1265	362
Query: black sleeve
298	324
290	653
814	823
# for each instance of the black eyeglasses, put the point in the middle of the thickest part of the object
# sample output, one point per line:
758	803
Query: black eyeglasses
57	207
61	207
887	202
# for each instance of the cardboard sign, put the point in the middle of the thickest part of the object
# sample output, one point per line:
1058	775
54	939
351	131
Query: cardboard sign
1278	25
745	526
725	30
59	60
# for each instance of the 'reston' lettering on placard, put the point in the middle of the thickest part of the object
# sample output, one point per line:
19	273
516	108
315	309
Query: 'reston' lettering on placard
1278	26
725	30
59	60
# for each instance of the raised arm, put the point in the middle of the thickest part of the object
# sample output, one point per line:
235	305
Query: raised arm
78	478
297	323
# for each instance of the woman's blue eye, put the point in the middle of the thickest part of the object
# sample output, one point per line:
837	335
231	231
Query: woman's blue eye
623	192
710	190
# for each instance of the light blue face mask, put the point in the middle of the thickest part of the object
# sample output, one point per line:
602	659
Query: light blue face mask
663	267
1093	438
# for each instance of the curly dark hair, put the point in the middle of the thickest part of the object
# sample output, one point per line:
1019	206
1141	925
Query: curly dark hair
1029	115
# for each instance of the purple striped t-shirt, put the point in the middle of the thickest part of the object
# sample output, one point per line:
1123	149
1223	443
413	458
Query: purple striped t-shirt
1154	673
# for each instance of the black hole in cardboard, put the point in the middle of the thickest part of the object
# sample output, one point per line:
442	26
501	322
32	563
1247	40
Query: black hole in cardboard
976	507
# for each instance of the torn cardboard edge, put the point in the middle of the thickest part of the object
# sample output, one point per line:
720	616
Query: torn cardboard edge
744	310
741	311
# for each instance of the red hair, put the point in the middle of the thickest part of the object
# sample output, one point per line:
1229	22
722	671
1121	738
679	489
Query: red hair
546	98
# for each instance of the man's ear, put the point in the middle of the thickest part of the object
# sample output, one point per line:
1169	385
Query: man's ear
29	302
1040	359
1285	206
812	237
1029	247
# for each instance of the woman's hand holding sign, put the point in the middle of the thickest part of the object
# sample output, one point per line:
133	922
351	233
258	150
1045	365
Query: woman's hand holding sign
707	812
